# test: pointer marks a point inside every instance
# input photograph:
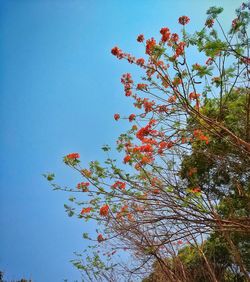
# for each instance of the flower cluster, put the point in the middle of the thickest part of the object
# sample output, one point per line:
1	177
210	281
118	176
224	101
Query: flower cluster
100	238
165	32
116	117
150	45
184	20
104	210
119	184
127	81
86	210
83	185
194	96
140	38
196	190
209	23
73	156
198	134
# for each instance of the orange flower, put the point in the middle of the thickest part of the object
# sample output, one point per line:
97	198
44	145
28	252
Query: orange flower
119	184
73	156
165	32
86	210
156	191
104	210
126	159
83	186
192	171
150	44
196	190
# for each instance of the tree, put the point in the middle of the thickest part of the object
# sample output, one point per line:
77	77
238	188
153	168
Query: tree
181	197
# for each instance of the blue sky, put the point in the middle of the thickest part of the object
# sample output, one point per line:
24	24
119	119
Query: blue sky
59	88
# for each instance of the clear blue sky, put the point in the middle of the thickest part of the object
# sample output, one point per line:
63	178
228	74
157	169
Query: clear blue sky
59	88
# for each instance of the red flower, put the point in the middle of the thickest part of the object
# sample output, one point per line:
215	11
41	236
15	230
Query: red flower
209	61
131	117
73	156
184	20
174	37
104	210
146	148
83	186
119	184
192	171
117	52
156	191
140	62
172	99
126	159
194	96
86	210
177	81
140	38
165	32
209	23
100	238
150	44
196	190
116	116
141	86
180	49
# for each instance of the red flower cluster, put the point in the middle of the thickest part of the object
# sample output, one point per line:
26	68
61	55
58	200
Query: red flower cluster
86	210
165	32
131	117
83	185
146	148
126	159
174	37
200	136
119	184
117	52
209	61
100	238
144	131
246	60
194	96
166	145
192	171
235	23
150	44
180	49
140	38
184	20
116	116
104	210
141	86
148	105
176	81
73	156
127	81
196	190
140	62
172	99
209	23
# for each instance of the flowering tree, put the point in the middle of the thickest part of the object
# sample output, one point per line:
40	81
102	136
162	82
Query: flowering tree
181	197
